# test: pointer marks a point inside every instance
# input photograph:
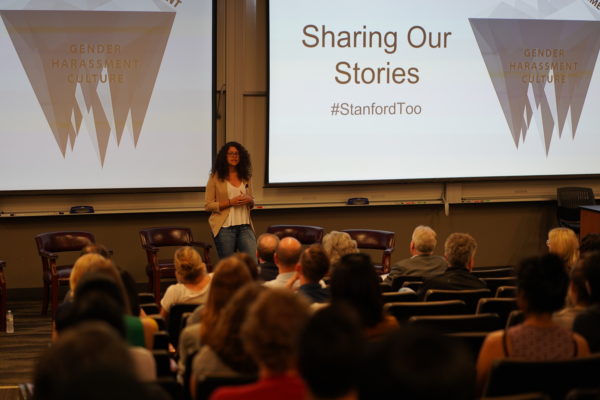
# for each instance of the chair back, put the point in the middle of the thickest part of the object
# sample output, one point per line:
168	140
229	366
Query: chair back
305	234
166	236
458	323
506	292
2	297
515	317
500	272
56	242
494	283
174	320
568	201
469	296
472	340
501	306
554	378
205	388
375	240
399	280
395	297
402	311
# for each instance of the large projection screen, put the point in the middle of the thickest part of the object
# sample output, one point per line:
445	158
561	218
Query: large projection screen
106	94
417	90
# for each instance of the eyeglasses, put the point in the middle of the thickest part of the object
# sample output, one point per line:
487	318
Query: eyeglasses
233	154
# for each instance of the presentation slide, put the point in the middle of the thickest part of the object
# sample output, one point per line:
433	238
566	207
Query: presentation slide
105	94
420	90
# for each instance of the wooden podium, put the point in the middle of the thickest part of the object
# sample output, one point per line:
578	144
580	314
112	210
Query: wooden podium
590	220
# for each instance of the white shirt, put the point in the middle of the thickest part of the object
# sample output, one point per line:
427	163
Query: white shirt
238	215
179	294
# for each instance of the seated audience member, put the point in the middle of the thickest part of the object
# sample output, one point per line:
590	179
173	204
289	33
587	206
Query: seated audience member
314	265
286	257
270	335
265	253
354	282
337	244
422	262
418	364
541	289
90	361
459	251
591	242
230	275
587	323
578	298
250	263
98	297
564	243
223	353
193	281
331	354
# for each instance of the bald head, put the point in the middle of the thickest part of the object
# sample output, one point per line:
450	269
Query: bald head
287	254
266	246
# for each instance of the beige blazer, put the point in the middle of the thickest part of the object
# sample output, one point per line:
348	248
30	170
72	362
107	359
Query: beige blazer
216	190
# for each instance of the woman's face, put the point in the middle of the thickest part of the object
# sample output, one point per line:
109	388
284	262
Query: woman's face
233	156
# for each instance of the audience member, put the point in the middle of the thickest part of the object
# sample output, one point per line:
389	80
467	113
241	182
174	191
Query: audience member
90	361
223	354
270	334
313	266
265	252
564	243
250	263
416	364
337	244
230	275
422	262
578	298
541	289
286	257
354	282
587	323
193	281
590	242
331	354
459	251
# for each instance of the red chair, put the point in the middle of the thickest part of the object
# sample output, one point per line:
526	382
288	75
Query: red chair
378	240
2	297
306	234
49	244
171	236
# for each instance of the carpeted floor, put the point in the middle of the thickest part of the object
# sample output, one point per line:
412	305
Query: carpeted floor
20	351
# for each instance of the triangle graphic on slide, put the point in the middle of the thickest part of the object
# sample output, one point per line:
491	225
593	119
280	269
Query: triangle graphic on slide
99	66
540	68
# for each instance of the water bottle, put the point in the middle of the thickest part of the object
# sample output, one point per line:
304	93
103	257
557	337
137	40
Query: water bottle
10	322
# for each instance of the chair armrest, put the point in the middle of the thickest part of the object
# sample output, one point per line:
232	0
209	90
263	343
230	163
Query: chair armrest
201	244
47	254
150	248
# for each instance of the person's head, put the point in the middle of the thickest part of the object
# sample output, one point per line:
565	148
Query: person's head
232	154
338	244
590	242
81	351
542	284
564	243
266	245
314	263
225	338
591	271
355	282
578	291
423	240
189	267
250	263
331	352
459	250
420	365
287	254
230	274
272	328
96	248
87	263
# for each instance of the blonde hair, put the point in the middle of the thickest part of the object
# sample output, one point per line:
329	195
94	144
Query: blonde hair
564	243
188	264
87	263
459	249
424	239
338	244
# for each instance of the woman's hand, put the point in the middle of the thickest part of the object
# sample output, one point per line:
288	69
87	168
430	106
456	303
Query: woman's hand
240	200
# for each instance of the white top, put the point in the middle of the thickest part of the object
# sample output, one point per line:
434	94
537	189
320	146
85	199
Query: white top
238	215
281	280
179	294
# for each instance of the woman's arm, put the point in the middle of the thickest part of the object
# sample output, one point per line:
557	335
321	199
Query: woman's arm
212	202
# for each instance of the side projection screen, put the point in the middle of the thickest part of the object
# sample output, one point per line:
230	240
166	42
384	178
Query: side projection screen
106	94
420	90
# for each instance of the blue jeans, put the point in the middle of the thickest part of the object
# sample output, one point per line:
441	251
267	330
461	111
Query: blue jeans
236	238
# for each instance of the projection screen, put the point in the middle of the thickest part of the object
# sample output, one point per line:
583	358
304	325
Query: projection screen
105	94
420	90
